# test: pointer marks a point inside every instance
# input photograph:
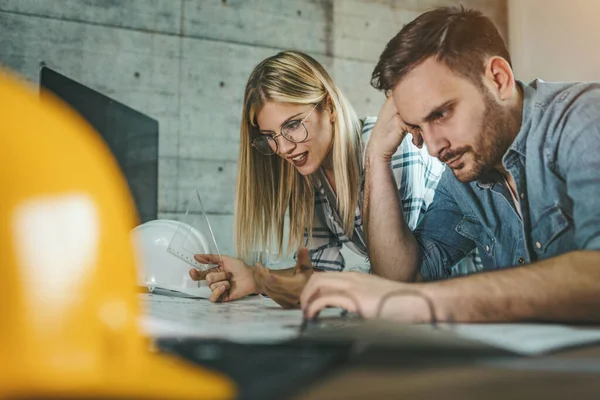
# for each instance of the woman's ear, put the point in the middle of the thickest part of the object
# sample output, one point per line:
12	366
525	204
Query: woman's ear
330	110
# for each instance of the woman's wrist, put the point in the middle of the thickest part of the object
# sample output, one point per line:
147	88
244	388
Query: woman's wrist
258	285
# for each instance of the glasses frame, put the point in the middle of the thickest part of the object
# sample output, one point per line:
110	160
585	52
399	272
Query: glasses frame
275	136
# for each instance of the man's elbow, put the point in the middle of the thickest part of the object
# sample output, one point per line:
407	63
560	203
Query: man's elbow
399	273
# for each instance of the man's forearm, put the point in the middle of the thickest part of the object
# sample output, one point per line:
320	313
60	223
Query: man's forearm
564	288
393	250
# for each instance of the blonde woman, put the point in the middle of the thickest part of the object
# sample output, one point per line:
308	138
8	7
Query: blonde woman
301	156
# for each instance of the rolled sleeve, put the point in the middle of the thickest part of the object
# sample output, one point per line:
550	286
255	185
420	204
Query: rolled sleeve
579	163
441	245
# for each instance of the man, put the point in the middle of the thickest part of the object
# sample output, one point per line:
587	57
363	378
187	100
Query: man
522	185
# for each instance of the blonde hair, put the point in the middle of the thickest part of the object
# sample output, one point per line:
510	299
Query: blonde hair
268	187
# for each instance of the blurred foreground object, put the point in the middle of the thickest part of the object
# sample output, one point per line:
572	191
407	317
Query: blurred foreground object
67	275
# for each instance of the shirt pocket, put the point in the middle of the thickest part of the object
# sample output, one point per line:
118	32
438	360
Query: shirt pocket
473	230
553	224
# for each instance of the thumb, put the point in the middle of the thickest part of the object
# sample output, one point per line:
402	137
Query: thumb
388	110
303	262
215	259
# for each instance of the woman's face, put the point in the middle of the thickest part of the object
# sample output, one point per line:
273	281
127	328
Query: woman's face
308	155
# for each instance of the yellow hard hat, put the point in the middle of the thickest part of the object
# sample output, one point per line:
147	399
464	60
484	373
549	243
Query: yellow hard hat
69	308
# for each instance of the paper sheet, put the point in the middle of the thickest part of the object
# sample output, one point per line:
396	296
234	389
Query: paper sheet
258	319
527	339
254	319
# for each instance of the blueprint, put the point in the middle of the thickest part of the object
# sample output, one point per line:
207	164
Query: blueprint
258	319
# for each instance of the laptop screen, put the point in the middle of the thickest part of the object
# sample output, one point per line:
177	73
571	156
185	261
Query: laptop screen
130	135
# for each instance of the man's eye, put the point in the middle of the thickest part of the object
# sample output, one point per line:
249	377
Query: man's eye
441	116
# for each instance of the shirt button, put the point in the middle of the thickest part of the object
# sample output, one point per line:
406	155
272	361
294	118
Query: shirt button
522	195
538	245
521	260
487	248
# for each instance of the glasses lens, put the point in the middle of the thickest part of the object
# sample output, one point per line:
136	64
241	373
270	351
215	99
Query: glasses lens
294	131
265	145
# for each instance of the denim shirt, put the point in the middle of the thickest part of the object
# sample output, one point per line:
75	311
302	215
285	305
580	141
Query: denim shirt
555	162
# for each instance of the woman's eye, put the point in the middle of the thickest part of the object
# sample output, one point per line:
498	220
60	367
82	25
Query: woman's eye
292	125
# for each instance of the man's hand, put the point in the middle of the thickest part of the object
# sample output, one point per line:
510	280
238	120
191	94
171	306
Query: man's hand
230	280
368	295
286	290
388	132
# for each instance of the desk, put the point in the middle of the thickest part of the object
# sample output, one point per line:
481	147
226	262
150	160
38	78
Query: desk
470	380
387	373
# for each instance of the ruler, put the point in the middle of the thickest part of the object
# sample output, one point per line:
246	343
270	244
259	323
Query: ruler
194	235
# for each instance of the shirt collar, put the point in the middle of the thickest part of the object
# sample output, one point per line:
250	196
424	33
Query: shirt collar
519	145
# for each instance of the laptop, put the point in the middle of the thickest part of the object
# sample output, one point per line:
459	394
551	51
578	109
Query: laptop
131	135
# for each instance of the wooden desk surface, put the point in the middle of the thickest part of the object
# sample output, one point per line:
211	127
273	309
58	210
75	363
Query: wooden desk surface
467	381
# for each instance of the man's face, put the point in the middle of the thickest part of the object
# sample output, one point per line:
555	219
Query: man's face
461	124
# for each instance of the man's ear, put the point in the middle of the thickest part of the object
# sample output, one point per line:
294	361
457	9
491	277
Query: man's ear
499	78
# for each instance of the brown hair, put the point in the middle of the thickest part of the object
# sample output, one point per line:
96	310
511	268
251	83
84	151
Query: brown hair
459	38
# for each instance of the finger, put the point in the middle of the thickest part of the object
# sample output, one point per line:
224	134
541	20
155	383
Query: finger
417	140
218	285
198	275
338	300
208	258
388	110
214	277
389	104
216	294
326	282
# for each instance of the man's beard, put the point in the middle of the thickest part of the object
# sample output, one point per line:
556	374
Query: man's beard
498	127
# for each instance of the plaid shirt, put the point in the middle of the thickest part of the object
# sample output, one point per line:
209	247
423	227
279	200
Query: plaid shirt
416	174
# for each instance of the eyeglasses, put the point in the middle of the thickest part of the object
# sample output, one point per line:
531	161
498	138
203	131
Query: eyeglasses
294	131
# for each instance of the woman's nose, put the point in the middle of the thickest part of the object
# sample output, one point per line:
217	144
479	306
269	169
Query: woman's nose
284	145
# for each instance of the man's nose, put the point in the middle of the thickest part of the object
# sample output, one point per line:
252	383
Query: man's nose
435	143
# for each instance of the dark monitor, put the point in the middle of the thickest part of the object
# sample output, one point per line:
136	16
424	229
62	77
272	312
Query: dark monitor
131	136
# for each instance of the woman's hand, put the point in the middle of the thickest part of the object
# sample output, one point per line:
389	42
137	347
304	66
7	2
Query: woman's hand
286	290
230	280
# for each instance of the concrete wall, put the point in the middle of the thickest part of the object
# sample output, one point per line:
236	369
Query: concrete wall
185	63
555	40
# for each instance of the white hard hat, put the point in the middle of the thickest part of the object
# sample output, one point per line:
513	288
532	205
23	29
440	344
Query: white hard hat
158	269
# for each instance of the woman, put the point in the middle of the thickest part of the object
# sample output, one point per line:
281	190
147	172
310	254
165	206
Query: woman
301	156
